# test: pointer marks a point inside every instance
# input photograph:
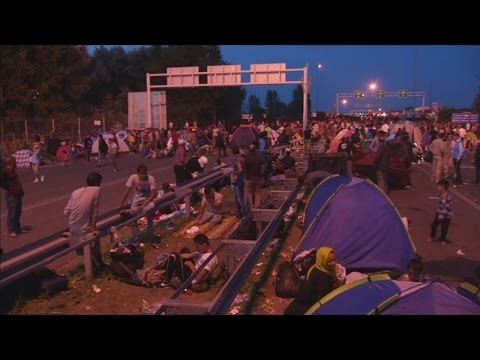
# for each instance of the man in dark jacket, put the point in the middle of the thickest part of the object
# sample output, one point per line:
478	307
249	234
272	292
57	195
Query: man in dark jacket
477	163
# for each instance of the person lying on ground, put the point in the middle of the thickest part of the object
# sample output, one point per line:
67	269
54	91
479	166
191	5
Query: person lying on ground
211	208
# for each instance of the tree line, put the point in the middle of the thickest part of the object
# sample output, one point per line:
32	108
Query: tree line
274	108
66	83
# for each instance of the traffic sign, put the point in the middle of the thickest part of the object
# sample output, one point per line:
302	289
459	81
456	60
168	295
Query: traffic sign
403	93
358	94
380	93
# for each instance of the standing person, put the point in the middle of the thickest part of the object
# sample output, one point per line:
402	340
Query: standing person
102	150
381	161
12	185
307	139
476	161
220	143
238	181
346	146
179	163
448	167
113	153
36	158
438	149
82	212
458	150
87	147
444	213
254	176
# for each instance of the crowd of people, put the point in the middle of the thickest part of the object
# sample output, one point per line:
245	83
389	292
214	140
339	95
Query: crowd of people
386	142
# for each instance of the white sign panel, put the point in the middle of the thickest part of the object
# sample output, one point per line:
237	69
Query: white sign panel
224	75
268	74
183	76
97	122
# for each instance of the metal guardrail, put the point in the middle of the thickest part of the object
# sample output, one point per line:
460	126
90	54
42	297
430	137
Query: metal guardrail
111	226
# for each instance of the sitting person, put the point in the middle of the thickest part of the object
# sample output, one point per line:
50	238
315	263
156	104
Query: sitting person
194	260
288	161
321	280
414	272
211	207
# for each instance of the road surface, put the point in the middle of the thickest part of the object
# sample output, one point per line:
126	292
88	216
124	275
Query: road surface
44	203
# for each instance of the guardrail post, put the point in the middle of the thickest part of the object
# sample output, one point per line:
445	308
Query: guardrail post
187	206
87	259
150	227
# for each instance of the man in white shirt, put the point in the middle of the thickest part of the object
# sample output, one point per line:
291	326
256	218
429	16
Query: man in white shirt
82	212
202	245
145	191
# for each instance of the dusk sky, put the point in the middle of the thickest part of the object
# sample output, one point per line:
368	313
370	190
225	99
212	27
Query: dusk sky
448	74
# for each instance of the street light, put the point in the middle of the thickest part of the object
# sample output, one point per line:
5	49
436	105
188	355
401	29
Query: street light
344	101
319	67
373	86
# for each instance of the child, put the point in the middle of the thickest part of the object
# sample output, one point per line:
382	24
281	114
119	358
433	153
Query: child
415	271
444	212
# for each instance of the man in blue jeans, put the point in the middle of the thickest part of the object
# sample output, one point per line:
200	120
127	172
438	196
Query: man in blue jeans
238	181
12	185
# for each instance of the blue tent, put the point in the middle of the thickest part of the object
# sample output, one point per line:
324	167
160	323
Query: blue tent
379	295
362	297
433	299
355	218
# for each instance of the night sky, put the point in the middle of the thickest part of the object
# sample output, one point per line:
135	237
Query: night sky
448	74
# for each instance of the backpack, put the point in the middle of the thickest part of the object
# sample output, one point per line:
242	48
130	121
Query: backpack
126	259
287	282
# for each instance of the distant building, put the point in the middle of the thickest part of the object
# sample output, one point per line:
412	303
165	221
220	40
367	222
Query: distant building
137	106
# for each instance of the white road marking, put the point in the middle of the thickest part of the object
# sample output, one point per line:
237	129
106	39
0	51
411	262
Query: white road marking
67	196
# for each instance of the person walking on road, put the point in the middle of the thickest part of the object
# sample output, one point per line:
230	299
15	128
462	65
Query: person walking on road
444	213
113	153
448	168
87	147
438	149
102	150
36	159
82	212
458	151
12	185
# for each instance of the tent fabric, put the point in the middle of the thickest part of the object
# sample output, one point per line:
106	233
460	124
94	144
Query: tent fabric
433	299
320	195
360	223
361	297
379	295
122	146
244	136
23	158
412	129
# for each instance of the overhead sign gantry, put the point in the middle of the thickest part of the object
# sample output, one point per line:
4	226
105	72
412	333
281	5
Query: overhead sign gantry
228	75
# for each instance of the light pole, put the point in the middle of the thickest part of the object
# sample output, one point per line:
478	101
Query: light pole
319	67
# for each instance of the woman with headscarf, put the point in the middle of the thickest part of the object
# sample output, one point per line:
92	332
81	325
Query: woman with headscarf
321	280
